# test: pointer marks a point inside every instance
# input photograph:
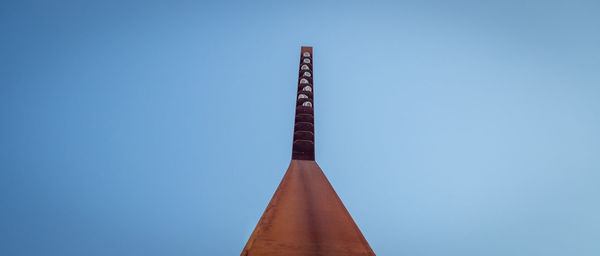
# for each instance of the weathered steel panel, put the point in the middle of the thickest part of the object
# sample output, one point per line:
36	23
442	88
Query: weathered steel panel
306	217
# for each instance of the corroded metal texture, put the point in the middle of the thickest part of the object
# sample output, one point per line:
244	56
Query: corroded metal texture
306	218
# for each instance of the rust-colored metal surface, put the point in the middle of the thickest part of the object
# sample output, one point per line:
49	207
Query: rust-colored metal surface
306	217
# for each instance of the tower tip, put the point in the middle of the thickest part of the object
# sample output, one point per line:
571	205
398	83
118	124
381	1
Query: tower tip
303	147
307	48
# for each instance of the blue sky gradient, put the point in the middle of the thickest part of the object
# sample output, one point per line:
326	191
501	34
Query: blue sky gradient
164	127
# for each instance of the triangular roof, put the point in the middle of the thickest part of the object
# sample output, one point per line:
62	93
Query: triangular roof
306	217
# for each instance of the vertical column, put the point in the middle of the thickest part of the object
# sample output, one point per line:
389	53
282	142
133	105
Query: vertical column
304	127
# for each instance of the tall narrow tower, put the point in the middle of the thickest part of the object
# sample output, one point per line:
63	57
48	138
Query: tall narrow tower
305	216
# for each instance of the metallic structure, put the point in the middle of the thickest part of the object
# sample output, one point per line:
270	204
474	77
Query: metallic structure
305	216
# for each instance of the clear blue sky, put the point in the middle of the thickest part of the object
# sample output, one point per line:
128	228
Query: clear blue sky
163	128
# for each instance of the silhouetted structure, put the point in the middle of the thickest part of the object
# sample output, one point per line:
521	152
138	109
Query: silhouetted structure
305	216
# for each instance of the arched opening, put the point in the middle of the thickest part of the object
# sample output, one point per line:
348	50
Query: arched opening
305	67
307	89
307	74
306	54
303	81
307	104
307	61
302	96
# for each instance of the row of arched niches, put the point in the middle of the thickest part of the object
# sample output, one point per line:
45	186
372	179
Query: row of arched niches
304	131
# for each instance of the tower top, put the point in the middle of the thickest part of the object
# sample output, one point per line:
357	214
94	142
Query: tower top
304	124
305	216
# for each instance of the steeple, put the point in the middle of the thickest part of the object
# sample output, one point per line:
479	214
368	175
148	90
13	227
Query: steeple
306	217
304	124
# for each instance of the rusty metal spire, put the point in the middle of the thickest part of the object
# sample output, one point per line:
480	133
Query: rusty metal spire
304	124
306	217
